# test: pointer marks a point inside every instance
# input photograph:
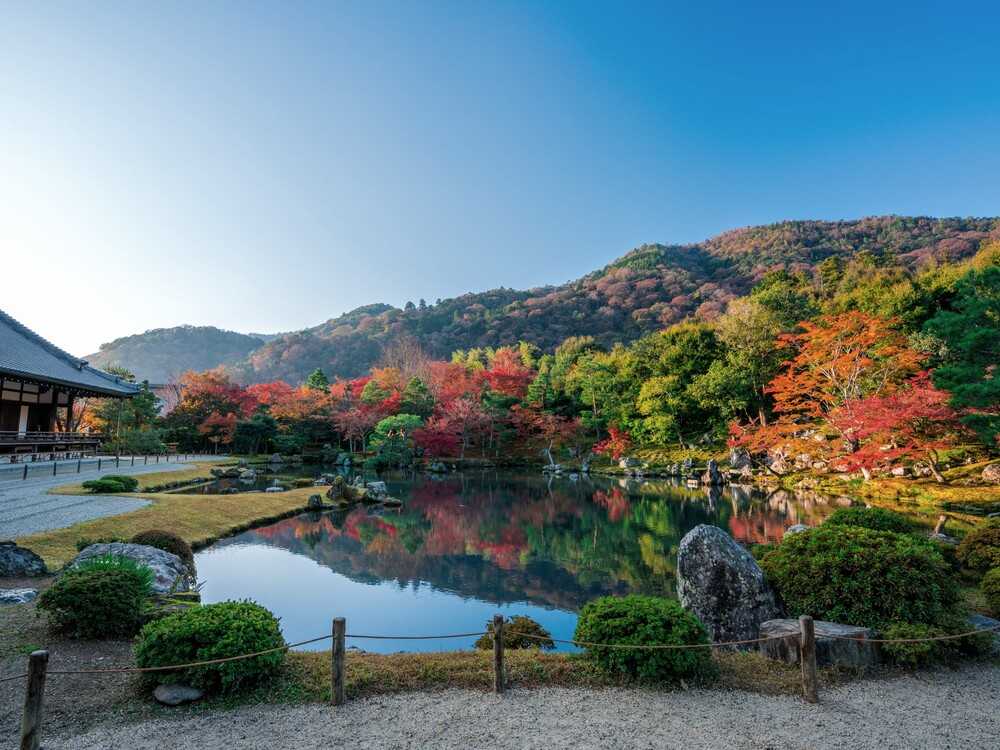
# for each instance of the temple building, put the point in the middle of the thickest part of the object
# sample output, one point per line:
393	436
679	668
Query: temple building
39	384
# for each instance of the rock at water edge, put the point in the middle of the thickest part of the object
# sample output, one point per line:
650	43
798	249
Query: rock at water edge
723	586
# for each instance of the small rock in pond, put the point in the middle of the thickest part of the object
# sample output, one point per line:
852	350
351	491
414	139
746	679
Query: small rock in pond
175	695
315	502
17	596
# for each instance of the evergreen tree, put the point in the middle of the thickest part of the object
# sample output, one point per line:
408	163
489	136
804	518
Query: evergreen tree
317	380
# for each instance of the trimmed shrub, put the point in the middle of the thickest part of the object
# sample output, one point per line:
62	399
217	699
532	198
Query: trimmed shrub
875	519
514	630
213	631
103	598
980	549
644	620
111	484
166	541
861	577
990	586
926	653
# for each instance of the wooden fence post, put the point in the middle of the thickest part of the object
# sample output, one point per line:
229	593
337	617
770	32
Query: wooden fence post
79	465
807	658
31	720
337	656
498	654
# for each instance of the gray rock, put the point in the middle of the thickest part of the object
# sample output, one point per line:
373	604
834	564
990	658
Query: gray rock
437	467
712	475
175	695
170	574
17	596
629	463
830	651
315	502
796	529
739	458
722	585
377	490
19	562
982	622
276	488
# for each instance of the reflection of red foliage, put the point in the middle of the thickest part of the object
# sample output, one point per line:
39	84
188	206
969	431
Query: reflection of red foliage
757	529
615	502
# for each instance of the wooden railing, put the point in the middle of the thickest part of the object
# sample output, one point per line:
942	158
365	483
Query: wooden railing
13	436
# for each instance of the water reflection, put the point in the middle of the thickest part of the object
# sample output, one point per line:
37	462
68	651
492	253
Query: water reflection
465	546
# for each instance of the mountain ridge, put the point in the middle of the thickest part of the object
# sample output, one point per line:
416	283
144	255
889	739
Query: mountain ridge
649	287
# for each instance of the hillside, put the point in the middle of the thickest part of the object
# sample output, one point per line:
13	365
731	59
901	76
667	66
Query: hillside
648	288
160	355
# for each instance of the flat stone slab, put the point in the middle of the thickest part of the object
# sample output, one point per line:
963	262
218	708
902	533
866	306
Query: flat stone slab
175	695
830	651
17	596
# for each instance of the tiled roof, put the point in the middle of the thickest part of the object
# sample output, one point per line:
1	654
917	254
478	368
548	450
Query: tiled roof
26	354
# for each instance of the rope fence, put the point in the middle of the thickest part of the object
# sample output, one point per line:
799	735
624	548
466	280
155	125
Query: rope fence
38	661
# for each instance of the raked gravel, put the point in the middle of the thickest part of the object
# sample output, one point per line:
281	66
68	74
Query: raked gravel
943	709
26	507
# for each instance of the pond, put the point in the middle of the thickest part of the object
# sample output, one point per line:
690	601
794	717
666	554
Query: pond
466	546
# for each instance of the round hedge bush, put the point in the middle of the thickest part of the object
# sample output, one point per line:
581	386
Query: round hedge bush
166	541
213	631
514	631
980	549
111	484
644	620
862	577
103	598
876	519
990	586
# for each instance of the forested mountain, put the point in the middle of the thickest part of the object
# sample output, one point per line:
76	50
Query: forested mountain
163	354
645	290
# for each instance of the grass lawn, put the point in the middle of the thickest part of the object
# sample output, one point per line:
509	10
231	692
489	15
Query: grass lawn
199	519
305	676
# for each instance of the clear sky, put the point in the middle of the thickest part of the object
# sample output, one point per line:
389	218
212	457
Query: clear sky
263	167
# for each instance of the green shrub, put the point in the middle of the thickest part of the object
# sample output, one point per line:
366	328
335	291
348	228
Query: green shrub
925	653
103	598
990	586
514	631
166	541
213	631
861	577
111	484
644	620
83	542
980	549
875	519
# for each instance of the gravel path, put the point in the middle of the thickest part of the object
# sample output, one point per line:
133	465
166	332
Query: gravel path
944	709
26	507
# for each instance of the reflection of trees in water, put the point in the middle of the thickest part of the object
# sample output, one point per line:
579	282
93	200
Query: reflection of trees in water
506	537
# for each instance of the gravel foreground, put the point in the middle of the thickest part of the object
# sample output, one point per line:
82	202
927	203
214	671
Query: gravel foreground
941	709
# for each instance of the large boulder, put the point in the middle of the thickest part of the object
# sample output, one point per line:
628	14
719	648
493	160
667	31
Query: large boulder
832	645
170	574
712	475
722	585
19	562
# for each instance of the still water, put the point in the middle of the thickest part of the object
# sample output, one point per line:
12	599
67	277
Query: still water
466	546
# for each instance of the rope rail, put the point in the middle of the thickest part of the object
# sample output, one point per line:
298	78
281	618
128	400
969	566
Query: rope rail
581	644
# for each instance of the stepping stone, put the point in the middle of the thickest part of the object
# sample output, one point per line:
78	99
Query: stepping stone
175	695
785	635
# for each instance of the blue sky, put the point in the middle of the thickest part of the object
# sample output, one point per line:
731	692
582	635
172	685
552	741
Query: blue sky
264	167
